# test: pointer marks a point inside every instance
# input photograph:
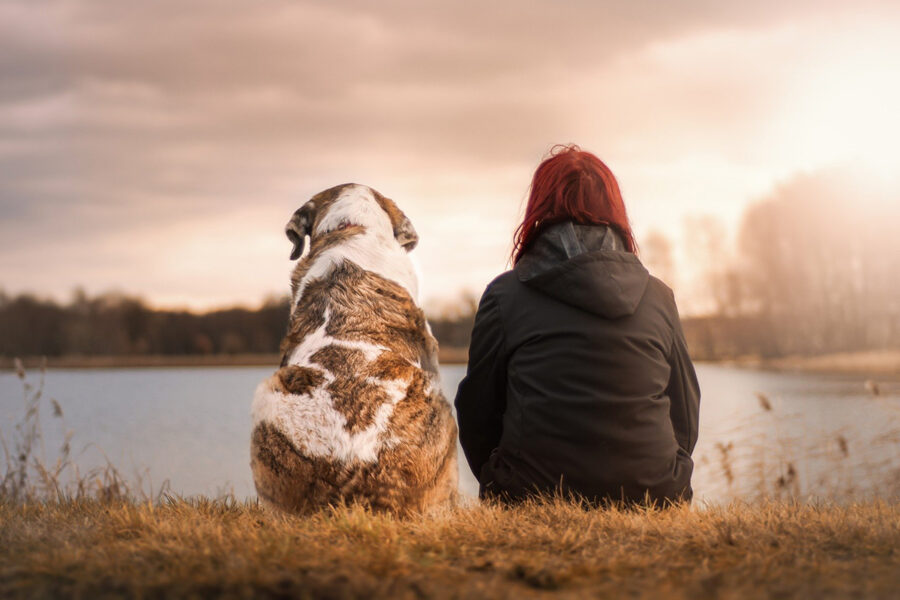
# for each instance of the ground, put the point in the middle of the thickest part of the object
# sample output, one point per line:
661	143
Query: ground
203	548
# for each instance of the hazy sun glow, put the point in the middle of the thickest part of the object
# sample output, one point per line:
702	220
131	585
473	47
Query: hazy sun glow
161	156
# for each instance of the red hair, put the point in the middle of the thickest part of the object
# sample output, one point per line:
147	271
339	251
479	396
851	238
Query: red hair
575	185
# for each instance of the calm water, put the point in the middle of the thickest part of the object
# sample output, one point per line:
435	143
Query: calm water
824	435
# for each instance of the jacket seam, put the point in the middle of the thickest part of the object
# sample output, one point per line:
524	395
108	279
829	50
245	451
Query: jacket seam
502	326
503	357
670	358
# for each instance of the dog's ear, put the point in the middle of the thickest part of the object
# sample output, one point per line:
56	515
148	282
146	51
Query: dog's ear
299	227
405	232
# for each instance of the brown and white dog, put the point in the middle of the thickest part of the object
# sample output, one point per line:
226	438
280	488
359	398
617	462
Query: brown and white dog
355	412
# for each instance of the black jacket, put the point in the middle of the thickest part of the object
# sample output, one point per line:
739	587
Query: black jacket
579	378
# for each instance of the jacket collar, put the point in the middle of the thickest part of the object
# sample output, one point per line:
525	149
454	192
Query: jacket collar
585	266
562	241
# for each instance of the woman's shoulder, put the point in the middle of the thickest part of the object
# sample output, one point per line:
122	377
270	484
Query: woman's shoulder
661	301
658	287
498	288
501	282
506	289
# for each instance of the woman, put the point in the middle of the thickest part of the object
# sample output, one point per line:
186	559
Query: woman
579	379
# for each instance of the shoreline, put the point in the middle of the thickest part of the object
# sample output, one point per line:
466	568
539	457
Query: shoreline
872	363
449	356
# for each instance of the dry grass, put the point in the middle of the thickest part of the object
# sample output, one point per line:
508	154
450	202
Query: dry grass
202	548
28	474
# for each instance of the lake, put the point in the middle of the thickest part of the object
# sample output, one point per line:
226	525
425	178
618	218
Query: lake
761	433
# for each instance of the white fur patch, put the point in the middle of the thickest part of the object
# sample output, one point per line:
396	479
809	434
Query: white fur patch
312	424
374	250
310	420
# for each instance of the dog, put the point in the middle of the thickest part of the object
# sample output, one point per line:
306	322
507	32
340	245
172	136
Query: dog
355	412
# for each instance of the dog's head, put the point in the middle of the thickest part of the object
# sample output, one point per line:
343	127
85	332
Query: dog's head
349	206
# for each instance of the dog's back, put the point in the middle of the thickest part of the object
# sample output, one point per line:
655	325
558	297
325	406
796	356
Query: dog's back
355	413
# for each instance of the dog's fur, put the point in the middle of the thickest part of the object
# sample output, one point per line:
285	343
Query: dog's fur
355	413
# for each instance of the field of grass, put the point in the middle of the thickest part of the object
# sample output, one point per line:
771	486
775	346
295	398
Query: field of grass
202	548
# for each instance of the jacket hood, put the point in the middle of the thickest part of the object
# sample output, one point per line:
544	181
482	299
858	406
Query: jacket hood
586	266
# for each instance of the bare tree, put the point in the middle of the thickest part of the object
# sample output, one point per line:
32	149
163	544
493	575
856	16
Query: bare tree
656	254
820	261
717	282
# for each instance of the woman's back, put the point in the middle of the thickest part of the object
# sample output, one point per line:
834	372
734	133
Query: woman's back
579	378
577	365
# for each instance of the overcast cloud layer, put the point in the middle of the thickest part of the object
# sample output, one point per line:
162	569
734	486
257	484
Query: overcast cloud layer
159	147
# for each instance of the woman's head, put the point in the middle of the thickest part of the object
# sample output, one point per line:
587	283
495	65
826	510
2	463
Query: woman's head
572	185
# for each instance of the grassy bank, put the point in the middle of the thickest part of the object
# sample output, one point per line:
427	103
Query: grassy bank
203	548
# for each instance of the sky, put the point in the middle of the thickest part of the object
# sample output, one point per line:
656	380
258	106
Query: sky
159	148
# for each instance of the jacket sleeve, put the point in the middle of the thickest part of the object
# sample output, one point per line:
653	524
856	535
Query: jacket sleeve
481	397
683	391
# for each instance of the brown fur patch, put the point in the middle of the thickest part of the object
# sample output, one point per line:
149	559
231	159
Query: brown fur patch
300	380
368	307
326	198
338	358
389	367
357	400
363	306
351	395
398	483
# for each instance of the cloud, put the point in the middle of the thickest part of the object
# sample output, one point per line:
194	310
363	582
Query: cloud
130	131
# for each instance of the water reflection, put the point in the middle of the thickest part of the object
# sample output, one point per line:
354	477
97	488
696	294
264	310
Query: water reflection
760	432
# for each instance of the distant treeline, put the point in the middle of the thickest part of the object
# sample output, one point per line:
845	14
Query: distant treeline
116	325
815	270
111	325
